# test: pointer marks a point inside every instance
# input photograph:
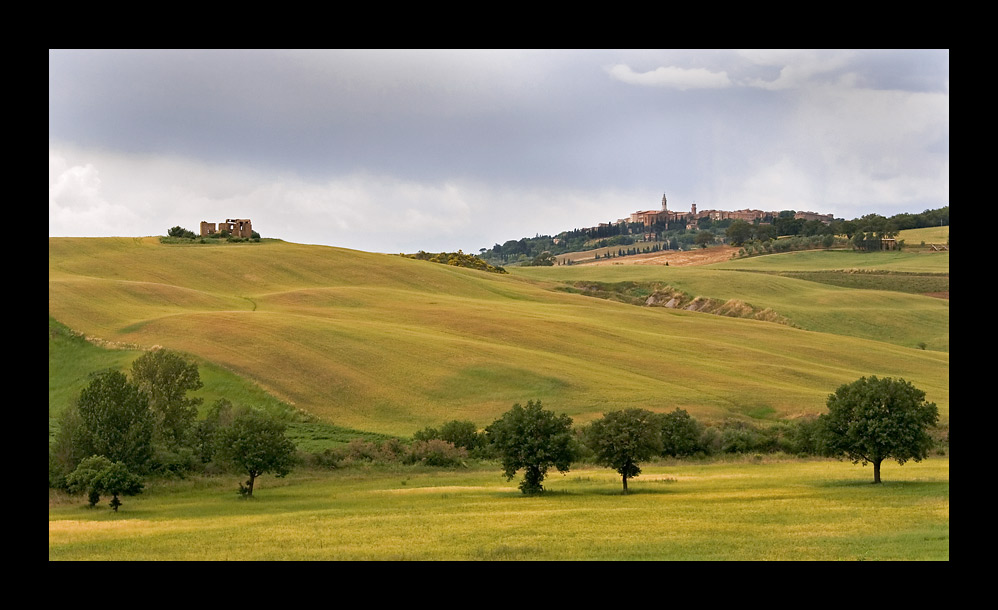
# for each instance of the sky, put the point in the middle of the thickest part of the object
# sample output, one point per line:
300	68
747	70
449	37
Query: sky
439	150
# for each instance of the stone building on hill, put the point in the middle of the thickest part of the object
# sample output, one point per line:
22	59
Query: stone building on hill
237	227
693	217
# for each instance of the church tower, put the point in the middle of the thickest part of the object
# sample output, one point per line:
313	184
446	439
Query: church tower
664	209
694	209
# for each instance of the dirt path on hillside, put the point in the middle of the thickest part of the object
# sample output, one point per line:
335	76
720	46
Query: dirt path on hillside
675	258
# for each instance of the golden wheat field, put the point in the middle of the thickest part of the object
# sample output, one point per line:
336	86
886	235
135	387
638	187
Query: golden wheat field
389	344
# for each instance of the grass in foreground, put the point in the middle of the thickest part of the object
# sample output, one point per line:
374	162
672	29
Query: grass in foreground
793	510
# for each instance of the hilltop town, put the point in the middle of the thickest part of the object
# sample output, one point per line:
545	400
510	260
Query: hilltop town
649	231
692	219
655	230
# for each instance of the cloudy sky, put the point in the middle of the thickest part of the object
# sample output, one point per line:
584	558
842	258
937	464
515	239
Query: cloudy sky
406	150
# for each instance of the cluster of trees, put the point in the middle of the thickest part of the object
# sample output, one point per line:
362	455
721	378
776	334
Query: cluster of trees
868	421
526	249
456	259
656	247
736	232
120	430
791	244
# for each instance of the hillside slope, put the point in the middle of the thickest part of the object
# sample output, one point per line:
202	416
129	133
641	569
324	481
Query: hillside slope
389	344
904	319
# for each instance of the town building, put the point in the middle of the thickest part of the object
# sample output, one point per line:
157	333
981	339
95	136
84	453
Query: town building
691	219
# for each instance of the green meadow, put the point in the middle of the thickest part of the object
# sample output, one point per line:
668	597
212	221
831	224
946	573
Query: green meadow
879	296
345	344
750	510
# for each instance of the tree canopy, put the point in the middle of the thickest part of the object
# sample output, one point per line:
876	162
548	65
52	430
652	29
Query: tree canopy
166	378
621	439
533	439
680	433
255	443
98	475
873	419
114	421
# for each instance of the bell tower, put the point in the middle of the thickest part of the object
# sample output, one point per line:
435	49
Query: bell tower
664	208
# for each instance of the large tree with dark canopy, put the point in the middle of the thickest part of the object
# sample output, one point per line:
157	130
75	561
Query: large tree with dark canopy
256	444
873	419
622	439
113	420
533	439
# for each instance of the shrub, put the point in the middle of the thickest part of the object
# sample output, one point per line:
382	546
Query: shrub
328	458
359	450
710	440
181	232
436	452
174	461
680	434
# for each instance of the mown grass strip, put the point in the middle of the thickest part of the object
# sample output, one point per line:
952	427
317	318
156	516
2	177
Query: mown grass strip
785	511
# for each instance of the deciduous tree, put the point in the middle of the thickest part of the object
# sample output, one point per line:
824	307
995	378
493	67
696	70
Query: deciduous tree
166	378
533	439
873	419
255	443
622	439
114	421
680	433
98	476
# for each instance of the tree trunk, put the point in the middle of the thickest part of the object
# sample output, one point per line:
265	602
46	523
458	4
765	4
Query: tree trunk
876	471
252	478
624	477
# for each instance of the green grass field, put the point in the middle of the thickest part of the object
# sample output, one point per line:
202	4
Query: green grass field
913	238
390	345
885	307
346	344
780	511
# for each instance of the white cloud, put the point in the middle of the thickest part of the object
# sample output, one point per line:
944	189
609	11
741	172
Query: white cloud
364	211
797	68
782	185
672	76
77	206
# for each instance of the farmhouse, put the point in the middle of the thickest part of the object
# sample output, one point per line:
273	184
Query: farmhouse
237	227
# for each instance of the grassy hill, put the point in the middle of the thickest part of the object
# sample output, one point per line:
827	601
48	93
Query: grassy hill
857	294
389	345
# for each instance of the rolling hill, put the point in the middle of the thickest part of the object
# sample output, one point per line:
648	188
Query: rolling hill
388	344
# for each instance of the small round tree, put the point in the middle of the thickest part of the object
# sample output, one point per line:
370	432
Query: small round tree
533	439
98	475
621	439
255	444
873	419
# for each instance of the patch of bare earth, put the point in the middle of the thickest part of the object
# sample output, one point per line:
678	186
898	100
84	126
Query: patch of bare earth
938	295
674	258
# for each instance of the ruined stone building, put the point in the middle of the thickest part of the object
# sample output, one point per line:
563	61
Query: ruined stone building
237	227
